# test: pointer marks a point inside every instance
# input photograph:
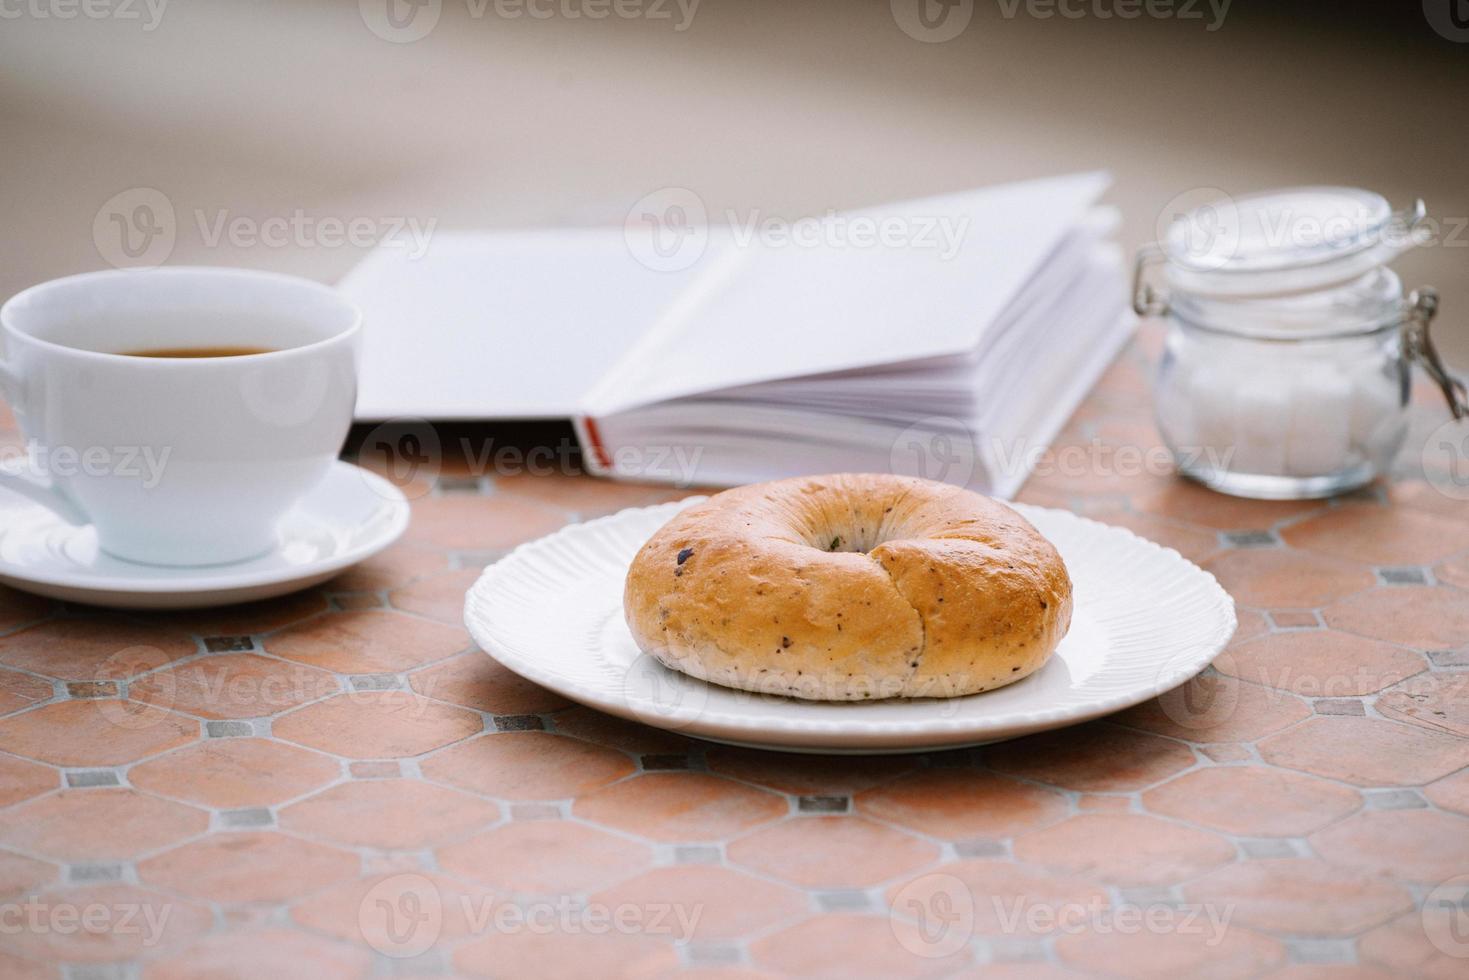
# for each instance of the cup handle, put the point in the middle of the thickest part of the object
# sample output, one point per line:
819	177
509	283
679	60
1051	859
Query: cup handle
32	487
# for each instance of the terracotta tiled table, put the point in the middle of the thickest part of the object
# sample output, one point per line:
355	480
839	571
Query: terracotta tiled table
313	786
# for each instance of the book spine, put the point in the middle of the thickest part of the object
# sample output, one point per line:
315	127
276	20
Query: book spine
595	456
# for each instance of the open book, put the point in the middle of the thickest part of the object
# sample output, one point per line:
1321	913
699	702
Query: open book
950	339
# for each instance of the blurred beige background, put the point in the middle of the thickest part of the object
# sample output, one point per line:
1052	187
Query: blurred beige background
253	110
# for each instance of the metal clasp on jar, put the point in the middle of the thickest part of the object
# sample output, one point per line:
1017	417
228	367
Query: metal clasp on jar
1418	346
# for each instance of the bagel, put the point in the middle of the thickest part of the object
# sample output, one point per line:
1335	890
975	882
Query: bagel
849	587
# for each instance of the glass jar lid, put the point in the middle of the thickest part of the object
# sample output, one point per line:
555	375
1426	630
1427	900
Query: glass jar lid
1371	302
1284	241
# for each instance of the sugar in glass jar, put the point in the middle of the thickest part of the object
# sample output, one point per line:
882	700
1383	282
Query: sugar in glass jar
1286	367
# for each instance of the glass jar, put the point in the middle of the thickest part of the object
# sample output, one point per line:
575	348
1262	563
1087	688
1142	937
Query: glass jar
1286	366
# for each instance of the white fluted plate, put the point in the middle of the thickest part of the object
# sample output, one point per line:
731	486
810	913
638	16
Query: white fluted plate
1145	621
351	515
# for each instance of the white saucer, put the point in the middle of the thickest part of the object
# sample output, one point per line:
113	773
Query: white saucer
1145	621
351	515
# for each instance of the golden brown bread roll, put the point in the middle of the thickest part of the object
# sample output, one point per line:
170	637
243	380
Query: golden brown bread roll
850	587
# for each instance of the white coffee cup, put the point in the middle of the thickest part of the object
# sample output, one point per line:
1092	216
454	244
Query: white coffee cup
178	460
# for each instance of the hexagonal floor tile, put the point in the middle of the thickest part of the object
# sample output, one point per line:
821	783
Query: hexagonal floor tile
390	569
477	681
377	725
586	498
236	685
230	773
809	775
681	806
831	852
1454	571
1092	758
962	803
461	522
20	874
439	596
1320	663
19	690
545	857
1367	751
1194	504
92	649
1404	948
1299	896
249	867
618	733
350	910
94	733
1199	954
21	780
1215	707
528	766
18	608
707	903
1410	845
403	814
1451	792
870	948
1436	701
127	922
251	617
1380	535
272	952
580	953
1278	578
1423	616
367	642
1253	801
1009	899
1125	848
99	824
1194	543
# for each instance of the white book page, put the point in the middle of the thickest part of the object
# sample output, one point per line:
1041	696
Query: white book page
931	289
503	325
